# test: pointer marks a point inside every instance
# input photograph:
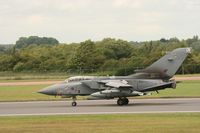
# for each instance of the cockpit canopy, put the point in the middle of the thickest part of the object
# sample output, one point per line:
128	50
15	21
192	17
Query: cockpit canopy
79	78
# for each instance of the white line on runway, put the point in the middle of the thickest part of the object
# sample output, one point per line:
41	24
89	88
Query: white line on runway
99	113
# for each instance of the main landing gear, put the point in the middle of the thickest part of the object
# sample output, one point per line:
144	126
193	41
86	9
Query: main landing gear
122	101
74	101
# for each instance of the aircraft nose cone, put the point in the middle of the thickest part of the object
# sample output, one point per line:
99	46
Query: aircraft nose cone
51	90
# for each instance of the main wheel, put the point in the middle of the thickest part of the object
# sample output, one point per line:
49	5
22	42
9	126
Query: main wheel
126	101
74	103
120	102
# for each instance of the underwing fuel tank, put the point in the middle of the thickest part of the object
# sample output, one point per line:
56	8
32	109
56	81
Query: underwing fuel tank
105	93
116	93
98	98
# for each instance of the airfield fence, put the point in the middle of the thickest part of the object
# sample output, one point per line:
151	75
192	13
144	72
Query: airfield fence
184	69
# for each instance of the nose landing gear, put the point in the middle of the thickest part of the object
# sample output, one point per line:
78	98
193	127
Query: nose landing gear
74	101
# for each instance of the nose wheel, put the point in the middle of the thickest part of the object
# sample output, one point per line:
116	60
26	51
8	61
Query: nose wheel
122	101
74	101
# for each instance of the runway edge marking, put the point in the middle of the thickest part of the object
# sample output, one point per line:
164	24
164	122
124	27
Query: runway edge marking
148	99
98	113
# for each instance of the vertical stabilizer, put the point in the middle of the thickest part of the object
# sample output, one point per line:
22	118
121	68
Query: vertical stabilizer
167	66
170	63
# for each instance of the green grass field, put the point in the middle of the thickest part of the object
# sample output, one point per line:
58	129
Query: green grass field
23	93
28	93
119	123
187	75
31	76
184	89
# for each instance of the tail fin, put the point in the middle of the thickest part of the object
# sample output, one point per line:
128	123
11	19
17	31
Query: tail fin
167	66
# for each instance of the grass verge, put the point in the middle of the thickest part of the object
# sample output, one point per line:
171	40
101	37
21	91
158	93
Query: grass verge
119	123
23	93
184	89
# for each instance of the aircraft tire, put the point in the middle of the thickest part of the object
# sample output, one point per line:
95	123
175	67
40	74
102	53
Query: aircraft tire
74	103
126	101
120	102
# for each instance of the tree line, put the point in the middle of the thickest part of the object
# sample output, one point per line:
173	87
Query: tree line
35	54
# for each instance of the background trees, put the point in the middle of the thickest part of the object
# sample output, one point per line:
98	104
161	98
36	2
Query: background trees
36	54
35	40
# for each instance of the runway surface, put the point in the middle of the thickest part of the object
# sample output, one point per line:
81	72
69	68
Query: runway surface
100	107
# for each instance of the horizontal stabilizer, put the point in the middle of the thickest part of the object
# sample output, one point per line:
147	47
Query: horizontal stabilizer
171	84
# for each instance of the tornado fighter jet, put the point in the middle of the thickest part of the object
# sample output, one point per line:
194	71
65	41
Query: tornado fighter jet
153	78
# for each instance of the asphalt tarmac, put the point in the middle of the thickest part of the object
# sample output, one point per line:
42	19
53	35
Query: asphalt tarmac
100	107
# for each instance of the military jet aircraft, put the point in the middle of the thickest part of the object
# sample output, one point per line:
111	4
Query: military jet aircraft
153	78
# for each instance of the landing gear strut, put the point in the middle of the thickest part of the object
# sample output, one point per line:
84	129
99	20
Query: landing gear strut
74	101
122	101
